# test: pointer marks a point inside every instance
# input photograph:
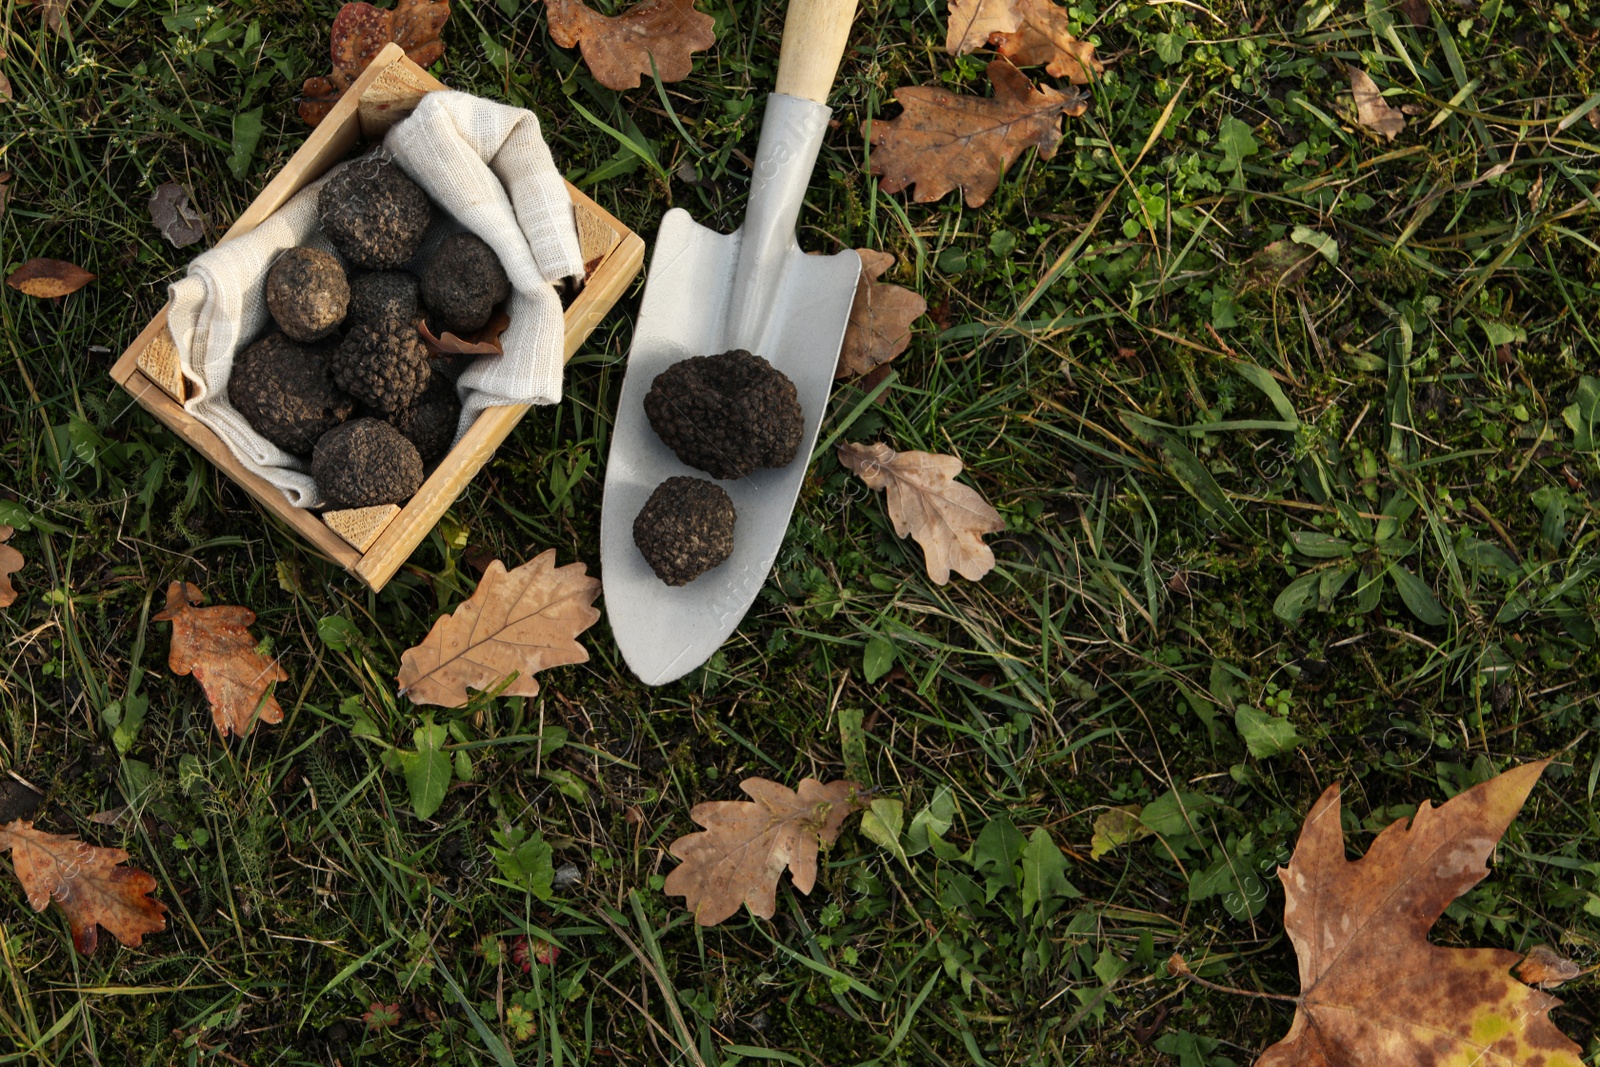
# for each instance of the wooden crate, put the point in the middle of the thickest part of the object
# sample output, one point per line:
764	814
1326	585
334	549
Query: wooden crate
372	543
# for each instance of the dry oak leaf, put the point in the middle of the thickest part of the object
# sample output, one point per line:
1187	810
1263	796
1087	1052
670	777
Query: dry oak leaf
942	141
359	33
49	278
973	22
10	563
619	50
1042	37
880	318
86	883
516	622
1372	111
1373	990
214	645
1027	32
925	501
745	846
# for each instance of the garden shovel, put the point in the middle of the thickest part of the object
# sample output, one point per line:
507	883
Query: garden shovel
708	293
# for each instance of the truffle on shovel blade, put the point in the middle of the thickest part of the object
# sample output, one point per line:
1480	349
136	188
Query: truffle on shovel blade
307	293
366	462
383	364
374	214
726	414
685	529
462	283
384	294
284	390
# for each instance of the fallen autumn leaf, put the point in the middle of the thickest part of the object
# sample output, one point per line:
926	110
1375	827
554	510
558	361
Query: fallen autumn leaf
1372	111
49	278
1373	989
972	22
619	51
10	563
880	318
54	14
745	846
214	645
925	501
175	217
516	622
86	883
943	141
1544	966
360	31
1042	37
484	342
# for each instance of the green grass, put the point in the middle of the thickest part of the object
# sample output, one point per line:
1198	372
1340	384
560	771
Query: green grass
1159	501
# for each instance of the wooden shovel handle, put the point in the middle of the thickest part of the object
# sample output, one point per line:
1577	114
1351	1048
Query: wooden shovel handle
814	34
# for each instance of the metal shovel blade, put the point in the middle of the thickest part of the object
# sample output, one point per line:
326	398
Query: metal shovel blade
708	293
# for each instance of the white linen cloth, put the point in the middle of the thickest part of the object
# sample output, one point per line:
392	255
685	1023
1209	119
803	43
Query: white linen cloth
488	169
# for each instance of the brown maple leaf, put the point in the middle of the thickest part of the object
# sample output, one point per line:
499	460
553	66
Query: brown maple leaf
925	501
942	141
745	846
516	622
48	278
10	563
619	50
1372	111
359	33
1373	989
86	883
880	318
214	644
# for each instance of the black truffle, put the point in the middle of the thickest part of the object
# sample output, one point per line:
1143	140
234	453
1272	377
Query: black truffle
383	364
285	391
365	462
385	294
307	293
685	529
374	214
726	414
462	283
430	421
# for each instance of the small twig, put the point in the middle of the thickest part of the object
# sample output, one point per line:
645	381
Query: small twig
1179	969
